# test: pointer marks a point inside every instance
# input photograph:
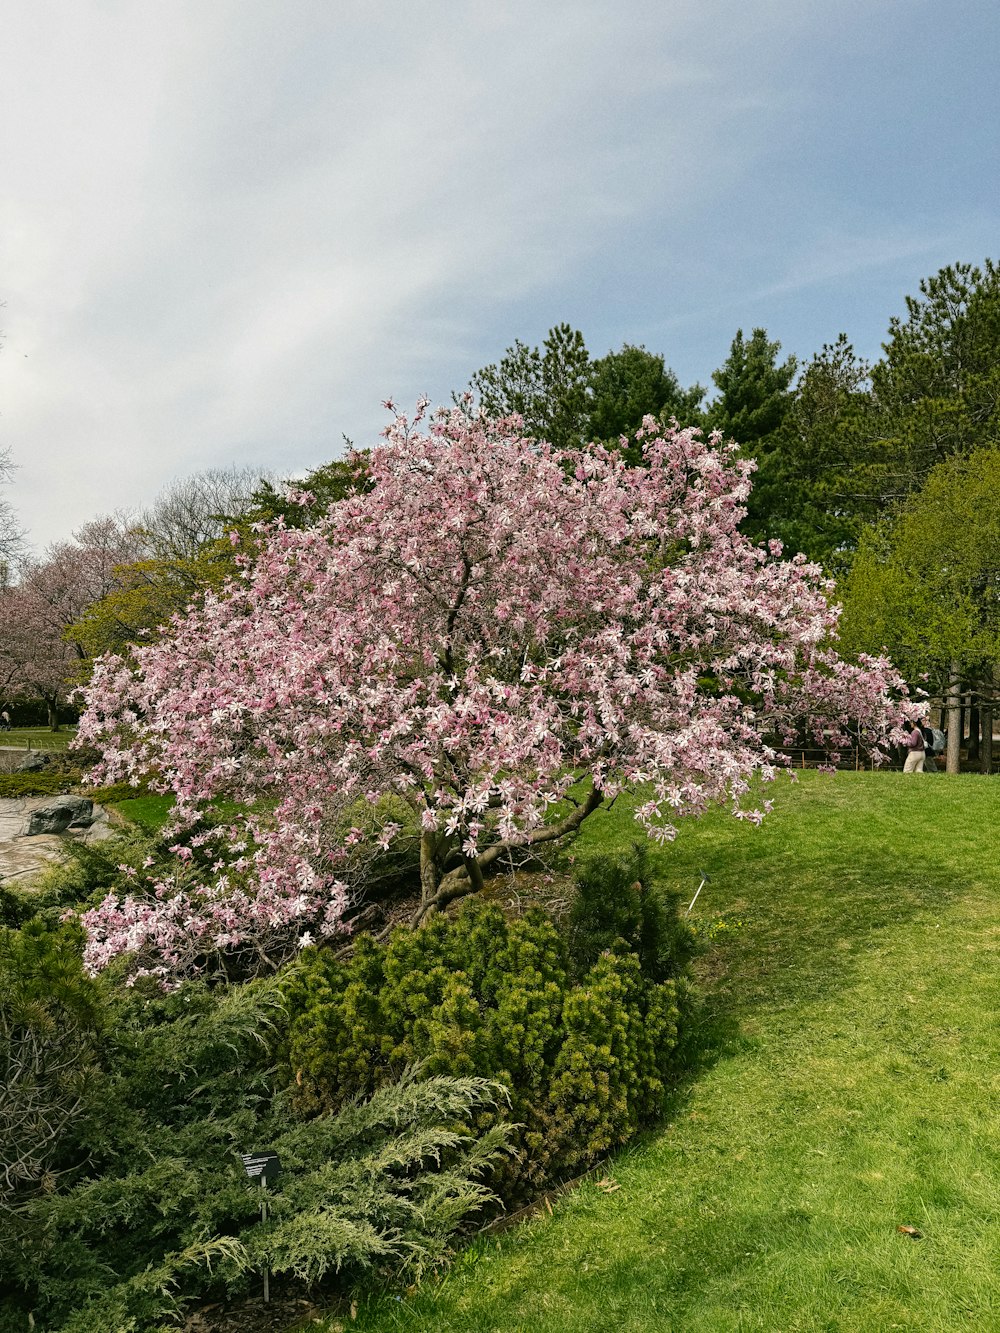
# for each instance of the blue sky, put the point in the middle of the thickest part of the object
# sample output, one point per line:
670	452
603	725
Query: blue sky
228	231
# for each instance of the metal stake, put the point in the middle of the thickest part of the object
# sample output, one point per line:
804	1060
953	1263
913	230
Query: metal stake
263	1218
704	881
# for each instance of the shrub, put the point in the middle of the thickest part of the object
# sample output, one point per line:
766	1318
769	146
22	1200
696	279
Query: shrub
50	1020
581	1029
83	875
617	908
47	783
155	1209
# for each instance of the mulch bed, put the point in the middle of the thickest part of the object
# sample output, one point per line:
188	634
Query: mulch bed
282	1314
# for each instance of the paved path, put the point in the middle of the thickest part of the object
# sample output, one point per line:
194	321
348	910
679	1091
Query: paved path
21	856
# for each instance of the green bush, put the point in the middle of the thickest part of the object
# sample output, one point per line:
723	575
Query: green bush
51	1019
581	1028
82	877
151	1209
46	783
616	908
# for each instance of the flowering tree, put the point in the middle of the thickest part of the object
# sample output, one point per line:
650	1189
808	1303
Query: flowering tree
37	656
492	641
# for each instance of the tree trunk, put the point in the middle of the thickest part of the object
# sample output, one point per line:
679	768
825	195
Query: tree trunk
954	724
53	714
428	870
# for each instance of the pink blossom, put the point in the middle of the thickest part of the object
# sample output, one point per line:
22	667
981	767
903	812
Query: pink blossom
501	637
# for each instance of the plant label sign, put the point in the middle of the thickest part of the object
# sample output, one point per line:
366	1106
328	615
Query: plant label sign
261	1165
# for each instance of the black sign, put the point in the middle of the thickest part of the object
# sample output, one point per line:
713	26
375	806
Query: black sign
261	1165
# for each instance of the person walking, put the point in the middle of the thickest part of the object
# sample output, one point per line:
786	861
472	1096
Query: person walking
930	759
915	751
5	721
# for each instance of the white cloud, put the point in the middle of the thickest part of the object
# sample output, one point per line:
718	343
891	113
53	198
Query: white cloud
230	230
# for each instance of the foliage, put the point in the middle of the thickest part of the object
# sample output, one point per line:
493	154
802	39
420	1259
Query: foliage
628	385
811	490
506	646
297	504
583	1037
50	1020
565	397
43	783
547	387
614	908
88	868
858	439
153	1208
179	549
112	795
924	582
754	391
37	657
936	391
754	399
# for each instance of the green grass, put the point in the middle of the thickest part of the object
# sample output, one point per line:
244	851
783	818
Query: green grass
149	812
39	738
846	1083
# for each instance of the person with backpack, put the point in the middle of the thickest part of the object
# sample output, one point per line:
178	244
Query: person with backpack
940	743
930	753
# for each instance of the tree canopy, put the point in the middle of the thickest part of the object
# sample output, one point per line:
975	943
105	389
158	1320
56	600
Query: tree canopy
926	582
567	398
11	538
936	389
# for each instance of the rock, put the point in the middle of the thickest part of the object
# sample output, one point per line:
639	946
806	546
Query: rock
33	762
64	813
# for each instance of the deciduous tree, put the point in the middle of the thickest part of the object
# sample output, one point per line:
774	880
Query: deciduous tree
38	654
179	549
926	583
11	538
497	635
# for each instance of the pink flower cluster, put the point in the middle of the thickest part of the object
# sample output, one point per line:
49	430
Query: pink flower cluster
490	629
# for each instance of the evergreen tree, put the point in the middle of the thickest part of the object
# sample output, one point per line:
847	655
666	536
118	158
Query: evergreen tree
568	399
629	384
806	486
754	390
936	390
754	400
547	386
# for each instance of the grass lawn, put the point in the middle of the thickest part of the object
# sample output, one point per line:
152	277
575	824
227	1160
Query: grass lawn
847	1084
150	812
39	738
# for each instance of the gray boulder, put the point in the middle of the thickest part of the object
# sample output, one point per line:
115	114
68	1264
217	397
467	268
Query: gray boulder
65	812
33	762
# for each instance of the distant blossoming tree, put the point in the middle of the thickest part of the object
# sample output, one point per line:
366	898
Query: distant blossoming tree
497	635
38	657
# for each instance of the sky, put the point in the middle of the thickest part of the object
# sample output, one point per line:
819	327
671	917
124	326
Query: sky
229	231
